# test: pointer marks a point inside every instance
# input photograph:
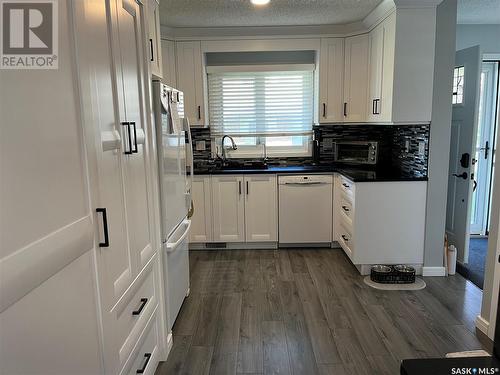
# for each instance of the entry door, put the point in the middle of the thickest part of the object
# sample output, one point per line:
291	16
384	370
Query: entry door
463	142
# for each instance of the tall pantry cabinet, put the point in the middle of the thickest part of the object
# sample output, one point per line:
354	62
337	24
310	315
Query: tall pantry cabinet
81	286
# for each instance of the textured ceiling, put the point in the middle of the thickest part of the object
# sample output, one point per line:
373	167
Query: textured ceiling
220	13
479	11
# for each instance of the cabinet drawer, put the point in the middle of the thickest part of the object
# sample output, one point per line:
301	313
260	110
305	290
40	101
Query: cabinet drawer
346	208
347	186
131	319
147	356
345	238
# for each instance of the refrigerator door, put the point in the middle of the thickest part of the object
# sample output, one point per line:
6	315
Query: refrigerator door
171	139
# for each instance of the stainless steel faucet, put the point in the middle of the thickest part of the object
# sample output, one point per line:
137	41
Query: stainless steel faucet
233	146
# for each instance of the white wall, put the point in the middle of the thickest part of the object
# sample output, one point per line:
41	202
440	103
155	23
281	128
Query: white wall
439	148
488	36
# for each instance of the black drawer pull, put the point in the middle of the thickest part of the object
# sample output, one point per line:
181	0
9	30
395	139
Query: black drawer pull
141	370
345	109
324	109
143	304
199	112
345	209
345	238
151	49
129	135
104	226
248	190
134	150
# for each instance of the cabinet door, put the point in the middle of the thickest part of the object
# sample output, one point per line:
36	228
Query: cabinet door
190	80
376	37
261	208
154	40
330	81
385	105
228	208
201	222
355	78
134	148
169	63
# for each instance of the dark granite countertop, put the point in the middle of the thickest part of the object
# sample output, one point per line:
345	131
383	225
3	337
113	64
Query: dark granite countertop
355	174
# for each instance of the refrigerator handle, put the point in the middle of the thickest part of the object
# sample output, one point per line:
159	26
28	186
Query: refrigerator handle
172	246
191	156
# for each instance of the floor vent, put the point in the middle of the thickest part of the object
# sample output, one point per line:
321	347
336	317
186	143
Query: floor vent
216	245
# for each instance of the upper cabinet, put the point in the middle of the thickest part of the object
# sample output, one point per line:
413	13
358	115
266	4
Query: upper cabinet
355	78
190	77
381	64
155	49
331	70
169	63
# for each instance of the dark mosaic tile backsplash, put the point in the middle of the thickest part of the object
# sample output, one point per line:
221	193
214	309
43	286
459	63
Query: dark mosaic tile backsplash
398	145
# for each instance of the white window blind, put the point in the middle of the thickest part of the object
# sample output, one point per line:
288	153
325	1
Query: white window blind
261	104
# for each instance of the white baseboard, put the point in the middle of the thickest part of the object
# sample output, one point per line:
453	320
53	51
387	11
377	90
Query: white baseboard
433	271
482	324
170	343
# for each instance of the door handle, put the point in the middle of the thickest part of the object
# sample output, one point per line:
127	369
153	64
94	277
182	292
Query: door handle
462	175
129	140
345	208
151	49
105	227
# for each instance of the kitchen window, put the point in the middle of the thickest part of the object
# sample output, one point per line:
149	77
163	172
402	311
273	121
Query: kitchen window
262	105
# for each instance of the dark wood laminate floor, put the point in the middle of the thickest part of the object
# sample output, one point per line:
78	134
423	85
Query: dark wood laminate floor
308	312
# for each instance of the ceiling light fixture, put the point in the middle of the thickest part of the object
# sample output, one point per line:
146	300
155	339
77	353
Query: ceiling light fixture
260	2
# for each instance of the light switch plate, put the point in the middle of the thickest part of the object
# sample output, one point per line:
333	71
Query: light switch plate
201	146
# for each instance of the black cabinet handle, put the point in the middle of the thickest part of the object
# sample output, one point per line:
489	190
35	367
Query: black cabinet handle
152	49
141	370
129	135
345	208
139	310
345	109
199	112
248	190
324	109
239	187
345	238
134	150
104	226
345	185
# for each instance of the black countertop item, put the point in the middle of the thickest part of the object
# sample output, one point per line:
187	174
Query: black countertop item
354	174
447	366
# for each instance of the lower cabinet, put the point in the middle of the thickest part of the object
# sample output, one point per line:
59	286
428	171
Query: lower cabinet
235	208
228	204
201	222
261	208
380	222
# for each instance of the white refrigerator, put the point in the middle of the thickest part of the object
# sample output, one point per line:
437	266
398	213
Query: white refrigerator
175	180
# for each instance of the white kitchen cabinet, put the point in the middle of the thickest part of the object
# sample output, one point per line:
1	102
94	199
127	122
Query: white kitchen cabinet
169	63
126	34
228	205
190	78
154	34
376	60
201	221
356	78
380	222
261	208
331	71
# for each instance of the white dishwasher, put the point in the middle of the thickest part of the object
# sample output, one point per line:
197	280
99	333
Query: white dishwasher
305	209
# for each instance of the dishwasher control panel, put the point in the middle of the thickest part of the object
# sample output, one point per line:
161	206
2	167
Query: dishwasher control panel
305	179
